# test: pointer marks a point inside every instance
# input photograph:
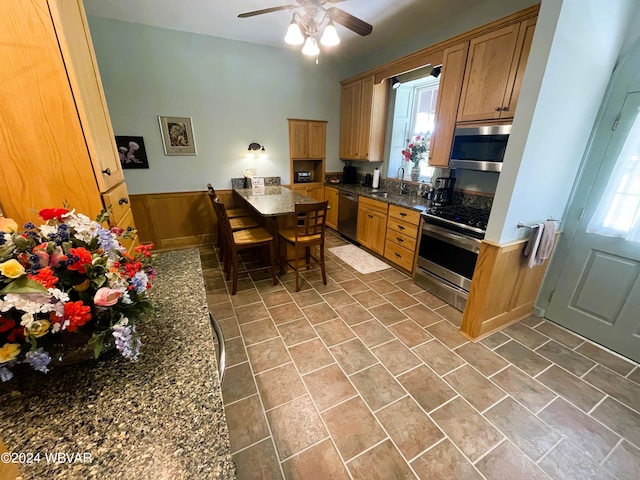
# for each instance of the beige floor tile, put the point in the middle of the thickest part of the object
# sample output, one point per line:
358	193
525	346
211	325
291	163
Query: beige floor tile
331	286
393	275
296	332
377	387
245	297
369	299
320	312
328	386
624	462
532	321
620	388
481	358
229	327
258	462
409	286
422	315
246	423
506	462
400	299
387	314
353	427
354	314
613	362
622	420
235	351
635	375
474	387
466	428
286	421
450	313
338	299
353	356
396	357
440	358
447	334
495	340
383	286
285	313
217	296
526	335
266	355
372	333
320	461
334	332
429	299
258	331
277	297
525	389
571	388
567	359
444	461
426	388
523	358
410	333
354	285
238	383
279	385
341	275
222	311
383	462
559	334
584	432
311	355
410	429
524	429
307	298
566	462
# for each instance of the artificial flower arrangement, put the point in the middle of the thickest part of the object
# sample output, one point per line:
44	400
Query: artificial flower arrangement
416	150
66	280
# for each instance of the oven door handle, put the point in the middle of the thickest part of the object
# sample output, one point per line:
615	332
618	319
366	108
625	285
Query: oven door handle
470	244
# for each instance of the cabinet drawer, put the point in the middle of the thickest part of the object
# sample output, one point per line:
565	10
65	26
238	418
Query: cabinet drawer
118	200
401	256
406	214
374	205
401	239
403	227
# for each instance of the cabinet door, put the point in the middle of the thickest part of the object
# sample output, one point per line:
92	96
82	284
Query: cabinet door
377	231
487	75
331	195
453	64
364	134
525	38
299	139
364	216
350	105
317	139
300	188
316	192
72	30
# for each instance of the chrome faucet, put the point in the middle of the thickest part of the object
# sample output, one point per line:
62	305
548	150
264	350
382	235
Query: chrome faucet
400	173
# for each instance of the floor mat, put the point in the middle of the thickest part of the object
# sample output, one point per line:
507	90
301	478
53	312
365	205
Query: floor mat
357	258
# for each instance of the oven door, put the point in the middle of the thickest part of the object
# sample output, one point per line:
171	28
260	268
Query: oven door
448	255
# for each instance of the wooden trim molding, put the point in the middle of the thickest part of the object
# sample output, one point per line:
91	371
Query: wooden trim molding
503	289
177	220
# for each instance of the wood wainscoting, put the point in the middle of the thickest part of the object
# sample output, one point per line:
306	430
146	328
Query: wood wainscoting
176	220
503	289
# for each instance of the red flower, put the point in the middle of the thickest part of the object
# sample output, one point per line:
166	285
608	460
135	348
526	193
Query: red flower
77	314
83	257
6	324
50	213
16	335
45	277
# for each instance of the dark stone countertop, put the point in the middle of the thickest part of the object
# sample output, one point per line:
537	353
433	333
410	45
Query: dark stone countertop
160	417
413	201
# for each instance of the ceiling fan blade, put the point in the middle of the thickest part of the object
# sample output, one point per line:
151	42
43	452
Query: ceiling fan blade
349	21
266	10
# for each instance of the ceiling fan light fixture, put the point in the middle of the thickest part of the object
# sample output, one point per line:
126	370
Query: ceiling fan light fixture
294	34
311	47
330	36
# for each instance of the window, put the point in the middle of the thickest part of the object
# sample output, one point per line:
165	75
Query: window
414	114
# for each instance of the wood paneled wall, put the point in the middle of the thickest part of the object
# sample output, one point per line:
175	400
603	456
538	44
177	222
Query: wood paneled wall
176	220
503	289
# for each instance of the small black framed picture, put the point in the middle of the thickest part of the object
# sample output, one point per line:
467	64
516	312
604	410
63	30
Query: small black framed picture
132	152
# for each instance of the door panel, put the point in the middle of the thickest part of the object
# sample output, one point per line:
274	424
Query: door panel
598	290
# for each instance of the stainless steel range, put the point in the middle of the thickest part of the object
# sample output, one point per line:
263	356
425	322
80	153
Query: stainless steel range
451	238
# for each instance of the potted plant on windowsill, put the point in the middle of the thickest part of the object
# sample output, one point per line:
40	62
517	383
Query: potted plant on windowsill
415	152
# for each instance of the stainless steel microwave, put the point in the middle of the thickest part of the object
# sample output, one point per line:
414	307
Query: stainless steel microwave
479	148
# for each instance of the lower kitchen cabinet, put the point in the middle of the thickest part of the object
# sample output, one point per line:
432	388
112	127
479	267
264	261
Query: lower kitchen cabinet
313	190
372	221
403	225
331	195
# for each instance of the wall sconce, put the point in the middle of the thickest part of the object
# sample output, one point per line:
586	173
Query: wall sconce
395	83
256	147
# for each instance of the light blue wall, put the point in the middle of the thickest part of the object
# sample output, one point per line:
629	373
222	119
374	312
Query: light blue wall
235	92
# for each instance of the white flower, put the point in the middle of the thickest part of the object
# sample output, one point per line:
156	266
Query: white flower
26	320
47	230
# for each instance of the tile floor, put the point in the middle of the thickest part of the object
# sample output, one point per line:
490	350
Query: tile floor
368	378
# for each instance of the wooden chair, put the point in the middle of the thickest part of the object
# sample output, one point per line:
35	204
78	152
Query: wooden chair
231	212
236	241
305	236
236	223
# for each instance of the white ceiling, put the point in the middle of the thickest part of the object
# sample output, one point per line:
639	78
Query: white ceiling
391	19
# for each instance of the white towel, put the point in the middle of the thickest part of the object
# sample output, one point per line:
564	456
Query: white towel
541	243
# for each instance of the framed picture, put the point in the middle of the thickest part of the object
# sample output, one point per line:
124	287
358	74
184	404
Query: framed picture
132	152
177	136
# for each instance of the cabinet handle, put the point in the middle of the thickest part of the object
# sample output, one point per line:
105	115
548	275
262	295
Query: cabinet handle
402	214
370	216
398	255
498	109
504	109
107	171
400	239
400	227
123	200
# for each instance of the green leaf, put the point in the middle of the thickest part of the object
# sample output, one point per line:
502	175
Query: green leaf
23	285
95	342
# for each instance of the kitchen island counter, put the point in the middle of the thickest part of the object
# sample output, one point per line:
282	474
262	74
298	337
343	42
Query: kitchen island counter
160	417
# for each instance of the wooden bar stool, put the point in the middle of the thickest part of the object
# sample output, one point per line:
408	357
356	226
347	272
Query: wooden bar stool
305	236
231	212
236	241
236	223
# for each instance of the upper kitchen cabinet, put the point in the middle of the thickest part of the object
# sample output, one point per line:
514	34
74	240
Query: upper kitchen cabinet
307	139
60	147
453	64
363	118
494	72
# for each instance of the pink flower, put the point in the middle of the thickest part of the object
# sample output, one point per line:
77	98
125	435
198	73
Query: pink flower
106	297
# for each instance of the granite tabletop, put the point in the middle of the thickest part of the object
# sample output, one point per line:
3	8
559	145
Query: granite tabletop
274	201
158	418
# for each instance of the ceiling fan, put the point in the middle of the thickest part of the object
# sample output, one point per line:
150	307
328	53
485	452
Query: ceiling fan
315	23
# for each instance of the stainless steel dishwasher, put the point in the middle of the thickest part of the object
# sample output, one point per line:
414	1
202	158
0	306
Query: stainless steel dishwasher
348	215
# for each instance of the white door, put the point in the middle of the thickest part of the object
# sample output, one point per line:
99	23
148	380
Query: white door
598	290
